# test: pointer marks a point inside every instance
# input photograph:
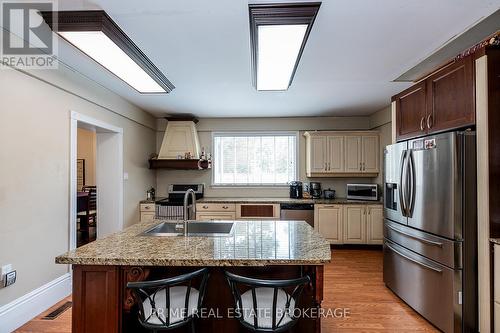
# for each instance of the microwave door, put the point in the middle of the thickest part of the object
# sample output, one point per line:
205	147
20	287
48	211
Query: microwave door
395	176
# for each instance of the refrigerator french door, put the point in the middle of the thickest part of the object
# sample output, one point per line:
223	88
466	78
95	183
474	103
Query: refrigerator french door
430	247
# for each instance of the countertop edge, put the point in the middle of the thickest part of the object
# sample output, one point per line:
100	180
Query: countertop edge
190	263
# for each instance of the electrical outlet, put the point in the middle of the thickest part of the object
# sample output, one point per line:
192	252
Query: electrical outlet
10	278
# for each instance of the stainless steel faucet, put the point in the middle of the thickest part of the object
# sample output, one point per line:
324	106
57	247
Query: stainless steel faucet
186	209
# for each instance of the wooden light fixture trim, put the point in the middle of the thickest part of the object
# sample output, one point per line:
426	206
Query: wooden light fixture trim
280	14
98	20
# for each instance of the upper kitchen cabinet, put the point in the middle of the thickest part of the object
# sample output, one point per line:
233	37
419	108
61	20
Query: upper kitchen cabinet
443	101
411	112
342	154
450	97
370	153
317	154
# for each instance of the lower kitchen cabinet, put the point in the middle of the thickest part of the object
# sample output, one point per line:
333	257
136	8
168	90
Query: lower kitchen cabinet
147	212
374	224
496	287
328	222
349	224
354	224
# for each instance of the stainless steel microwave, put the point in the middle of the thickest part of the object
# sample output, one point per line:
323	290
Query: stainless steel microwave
367	192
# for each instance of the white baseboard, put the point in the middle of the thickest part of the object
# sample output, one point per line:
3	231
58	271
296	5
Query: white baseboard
18	312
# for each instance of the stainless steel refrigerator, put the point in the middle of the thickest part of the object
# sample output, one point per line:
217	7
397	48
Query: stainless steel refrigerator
430	236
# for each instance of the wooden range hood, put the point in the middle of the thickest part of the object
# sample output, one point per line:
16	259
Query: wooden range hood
180	138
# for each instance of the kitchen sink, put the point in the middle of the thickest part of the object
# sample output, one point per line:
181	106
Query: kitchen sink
194	228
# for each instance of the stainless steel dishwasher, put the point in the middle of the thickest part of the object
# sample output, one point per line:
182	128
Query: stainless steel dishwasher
297	212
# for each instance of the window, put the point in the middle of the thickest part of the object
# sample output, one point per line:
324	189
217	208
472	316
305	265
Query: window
254	158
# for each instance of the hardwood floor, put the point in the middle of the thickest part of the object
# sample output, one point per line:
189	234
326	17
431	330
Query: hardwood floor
61	324
353	281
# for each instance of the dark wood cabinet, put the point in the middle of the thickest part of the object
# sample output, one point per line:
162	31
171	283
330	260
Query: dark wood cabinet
411	112
450	97
443	101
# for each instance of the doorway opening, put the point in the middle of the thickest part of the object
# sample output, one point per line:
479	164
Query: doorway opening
86	204
96	180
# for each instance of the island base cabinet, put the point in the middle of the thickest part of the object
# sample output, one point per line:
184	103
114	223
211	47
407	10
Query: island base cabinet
102	303
96	299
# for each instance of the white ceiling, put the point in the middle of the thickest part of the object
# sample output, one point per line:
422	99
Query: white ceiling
356	48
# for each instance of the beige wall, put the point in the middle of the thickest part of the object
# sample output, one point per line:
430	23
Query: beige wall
381	121
34	166
207	126
86	149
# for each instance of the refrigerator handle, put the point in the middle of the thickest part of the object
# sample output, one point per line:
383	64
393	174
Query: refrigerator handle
411	189
402	184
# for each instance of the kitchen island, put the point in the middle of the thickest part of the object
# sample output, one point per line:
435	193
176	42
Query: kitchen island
259	249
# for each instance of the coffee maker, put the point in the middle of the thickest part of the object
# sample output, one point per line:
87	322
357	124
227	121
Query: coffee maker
315	189
296	190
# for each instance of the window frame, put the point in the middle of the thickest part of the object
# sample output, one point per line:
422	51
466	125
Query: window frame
255	133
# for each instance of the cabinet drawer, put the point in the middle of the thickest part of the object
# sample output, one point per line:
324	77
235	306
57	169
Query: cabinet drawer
438	299
149	207
215	216
215	207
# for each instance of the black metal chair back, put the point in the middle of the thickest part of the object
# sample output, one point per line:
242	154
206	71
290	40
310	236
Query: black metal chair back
165	315
285	297
92	199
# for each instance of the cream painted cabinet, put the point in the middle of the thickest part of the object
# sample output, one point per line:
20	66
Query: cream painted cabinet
342	154
147	212
354	224
370	154
496	286
317	154
328	222
215	211
374	224
353	154
335	160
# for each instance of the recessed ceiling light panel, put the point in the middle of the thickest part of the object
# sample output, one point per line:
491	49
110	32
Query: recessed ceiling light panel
96	35
278	35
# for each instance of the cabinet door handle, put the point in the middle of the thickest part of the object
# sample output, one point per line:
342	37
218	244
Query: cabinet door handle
360	166
429	121
364	168
225	207
328	166
422	126
205	207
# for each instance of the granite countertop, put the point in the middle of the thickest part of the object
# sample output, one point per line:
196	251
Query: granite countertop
286	200
252	243
277	201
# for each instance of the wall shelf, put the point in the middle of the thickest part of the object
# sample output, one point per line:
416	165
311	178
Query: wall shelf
181	164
